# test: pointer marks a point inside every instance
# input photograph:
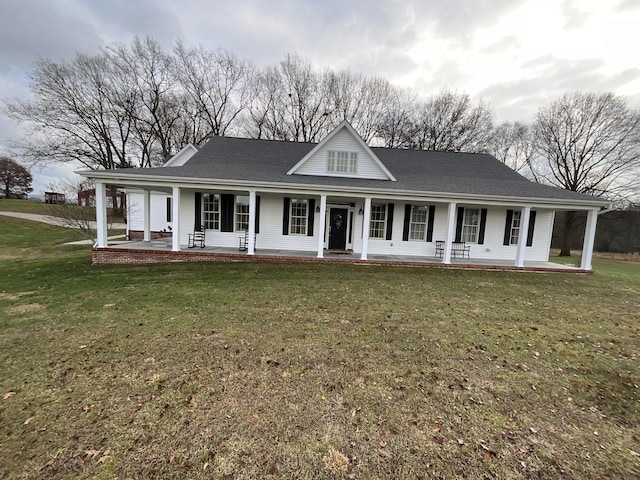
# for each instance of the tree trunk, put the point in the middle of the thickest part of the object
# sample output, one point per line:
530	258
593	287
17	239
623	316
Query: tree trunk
569	220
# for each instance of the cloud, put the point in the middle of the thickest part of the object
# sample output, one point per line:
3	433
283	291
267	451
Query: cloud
32	28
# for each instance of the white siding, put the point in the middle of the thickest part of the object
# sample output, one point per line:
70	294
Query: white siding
270	235
158	211
342	141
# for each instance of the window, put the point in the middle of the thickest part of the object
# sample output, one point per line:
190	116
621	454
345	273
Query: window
377	226
169	210
298	215
515	228
342	162
211	211
470	225
242	213
418	224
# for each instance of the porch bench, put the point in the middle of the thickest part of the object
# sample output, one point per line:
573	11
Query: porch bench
460	248
457	248
244	242
197	238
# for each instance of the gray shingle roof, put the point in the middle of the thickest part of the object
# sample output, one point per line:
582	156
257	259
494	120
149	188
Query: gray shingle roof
249	160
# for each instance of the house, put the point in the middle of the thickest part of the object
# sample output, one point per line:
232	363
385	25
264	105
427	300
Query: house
55	198
340	195
87	197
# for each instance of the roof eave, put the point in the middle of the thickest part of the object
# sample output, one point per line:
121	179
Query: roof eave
193	182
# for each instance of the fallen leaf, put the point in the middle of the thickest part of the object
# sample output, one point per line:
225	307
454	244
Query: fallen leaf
8	395
636	438
28	420
460	441
82	346
383	443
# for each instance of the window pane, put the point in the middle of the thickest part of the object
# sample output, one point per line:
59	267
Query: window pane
378	220
418	225
211	211
298	220
515	228
342	162
470	225
242	213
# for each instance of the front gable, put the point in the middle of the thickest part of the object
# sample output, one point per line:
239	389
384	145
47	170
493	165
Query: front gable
181	157
342	153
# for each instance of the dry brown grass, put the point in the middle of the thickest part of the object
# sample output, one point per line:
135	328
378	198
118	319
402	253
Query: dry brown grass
243	371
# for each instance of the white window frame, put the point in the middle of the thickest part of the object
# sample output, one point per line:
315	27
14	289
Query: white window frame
298	216
342	161
418	228
378	220
516	225
470	225
241	213
211	216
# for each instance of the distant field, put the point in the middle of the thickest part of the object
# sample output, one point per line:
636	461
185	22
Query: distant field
273	370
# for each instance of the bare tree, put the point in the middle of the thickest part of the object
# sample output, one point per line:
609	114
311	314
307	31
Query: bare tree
77	114
293	102
150	72
360	100
395	122
218	83
449	122
588	143
513	144
72	215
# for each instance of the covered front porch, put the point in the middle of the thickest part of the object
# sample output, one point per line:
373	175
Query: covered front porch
370	231
160	251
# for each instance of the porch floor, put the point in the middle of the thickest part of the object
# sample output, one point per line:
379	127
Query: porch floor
144	250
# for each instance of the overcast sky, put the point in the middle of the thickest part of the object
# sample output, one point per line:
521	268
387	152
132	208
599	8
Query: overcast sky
516	55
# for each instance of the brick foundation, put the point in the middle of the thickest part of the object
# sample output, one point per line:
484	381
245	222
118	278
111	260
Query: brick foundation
126	256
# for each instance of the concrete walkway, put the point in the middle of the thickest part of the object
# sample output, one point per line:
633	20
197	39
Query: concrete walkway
55	220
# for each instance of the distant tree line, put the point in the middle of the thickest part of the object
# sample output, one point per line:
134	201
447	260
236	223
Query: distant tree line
134	105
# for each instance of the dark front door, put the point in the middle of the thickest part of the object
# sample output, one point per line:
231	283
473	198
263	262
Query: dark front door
338	228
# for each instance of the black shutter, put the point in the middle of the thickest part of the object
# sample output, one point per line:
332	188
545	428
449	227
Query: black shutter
459	224
407	221
507	228
198	211
389	221
227	208
311	203
169	210
532	224
285	216
432	214
257	217
483	225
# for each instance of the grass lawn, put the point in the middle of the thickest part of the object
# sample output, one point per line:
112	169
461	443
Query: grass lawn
273	370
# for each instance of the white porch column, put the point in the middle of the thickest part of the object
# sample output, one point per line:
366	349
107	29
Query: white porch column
175	214
251	247
322	218
101	214
525	213
589	239
451	220
365	228
146	207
